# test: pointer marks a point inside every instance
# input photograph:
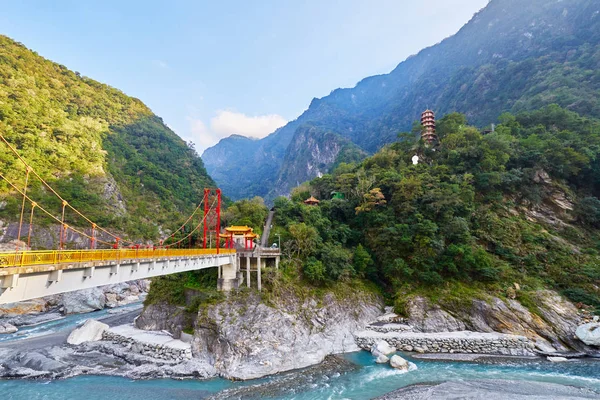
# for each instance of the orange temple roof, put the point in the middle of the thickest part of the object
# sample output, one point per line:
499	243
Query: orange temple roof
311	200
238	229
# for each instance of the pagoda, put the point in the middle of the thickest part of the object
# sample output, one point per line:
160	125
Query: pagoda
428	123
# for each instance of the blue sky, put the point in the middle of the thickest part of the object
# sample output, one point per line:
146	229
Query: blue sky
214	68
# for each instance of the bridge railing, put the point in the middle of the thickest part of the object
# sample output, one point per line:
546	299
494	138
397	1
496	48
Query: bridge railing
43	257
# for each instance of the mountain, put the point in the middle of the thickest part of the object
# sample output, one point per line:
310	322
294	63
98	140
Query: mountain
105	152
514	55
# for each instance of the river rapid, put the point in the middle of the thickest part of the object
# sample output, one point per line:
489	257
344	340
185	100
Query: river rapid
367	380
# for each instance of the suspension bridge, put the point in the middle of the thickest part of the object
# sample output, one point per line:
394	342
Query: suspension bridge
108	258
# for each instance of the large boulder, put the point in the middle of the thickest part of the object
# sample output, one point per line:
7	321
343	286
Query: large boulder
381	359
382	348
6	328
90	331
399	363
22	308
83	301
589	333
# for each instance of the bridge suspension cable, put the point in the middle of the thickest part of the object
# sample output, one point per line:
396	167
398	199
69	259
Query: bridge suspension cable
65	204
34	204
203	221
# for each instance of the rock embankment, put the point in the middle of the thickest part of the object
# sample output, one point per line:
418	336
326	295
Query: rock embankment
157	345
449	342
551	327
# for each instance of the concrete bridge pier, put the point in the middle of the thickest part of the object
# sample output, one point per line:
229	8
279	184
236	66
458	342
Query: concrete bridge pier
228	276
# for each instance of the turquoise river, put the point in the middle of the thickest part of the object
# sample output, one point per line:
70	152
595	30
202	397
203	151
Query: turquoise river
368	381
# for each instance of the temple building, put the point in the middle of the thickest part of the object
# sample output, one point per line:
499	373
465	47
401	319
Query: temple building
252	255
239	237
428	123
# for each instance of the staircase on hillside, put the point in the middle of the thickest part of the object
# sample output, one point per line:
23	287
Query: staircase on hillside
264	240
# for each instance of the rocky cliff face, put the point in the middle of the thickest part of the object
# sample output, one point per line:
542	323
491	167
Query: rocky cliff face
159	317
551	328
244	338
311	153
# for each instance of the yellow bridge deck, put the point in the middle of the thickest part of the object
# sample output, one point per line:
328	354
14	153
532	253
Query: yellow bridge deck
50	257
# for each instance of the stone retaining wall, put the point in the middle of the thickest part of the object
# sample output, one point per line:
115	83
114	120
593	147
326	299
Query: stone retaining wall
157	351
450	342
390	328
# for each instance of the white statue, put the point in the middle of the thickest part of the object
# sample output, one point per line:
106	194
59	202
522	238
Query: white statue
415	159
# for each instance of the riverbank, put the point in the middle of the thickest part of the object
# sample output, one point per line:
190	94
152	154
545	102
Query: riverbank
360	379
248	335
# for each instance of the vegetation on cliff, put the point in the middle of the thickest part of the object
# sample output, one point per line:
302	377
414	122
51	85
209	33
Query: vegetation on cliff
485	211
477	214
82	136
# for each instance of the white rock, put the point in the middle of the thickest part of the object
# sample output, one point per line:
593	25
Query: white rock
419	349
6	328
381	359
90	331
589	333
556	359
83	301
382	347
399	363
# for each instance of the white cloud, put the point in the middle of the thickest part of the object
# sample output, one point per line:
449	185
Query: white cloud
200	135
226	123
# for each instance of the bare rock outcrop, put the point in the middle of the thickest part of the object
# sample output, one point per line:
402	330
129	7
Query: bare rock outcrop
244	338
551	327
162	317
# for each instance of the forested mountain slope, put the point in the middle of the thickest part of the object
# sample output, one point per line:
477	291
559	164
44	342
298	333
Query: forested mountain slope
105	152
514	55
477	214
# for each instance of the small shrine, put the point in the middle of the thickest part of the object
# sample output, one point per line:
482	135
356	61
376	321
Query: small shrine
311	201
237	237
